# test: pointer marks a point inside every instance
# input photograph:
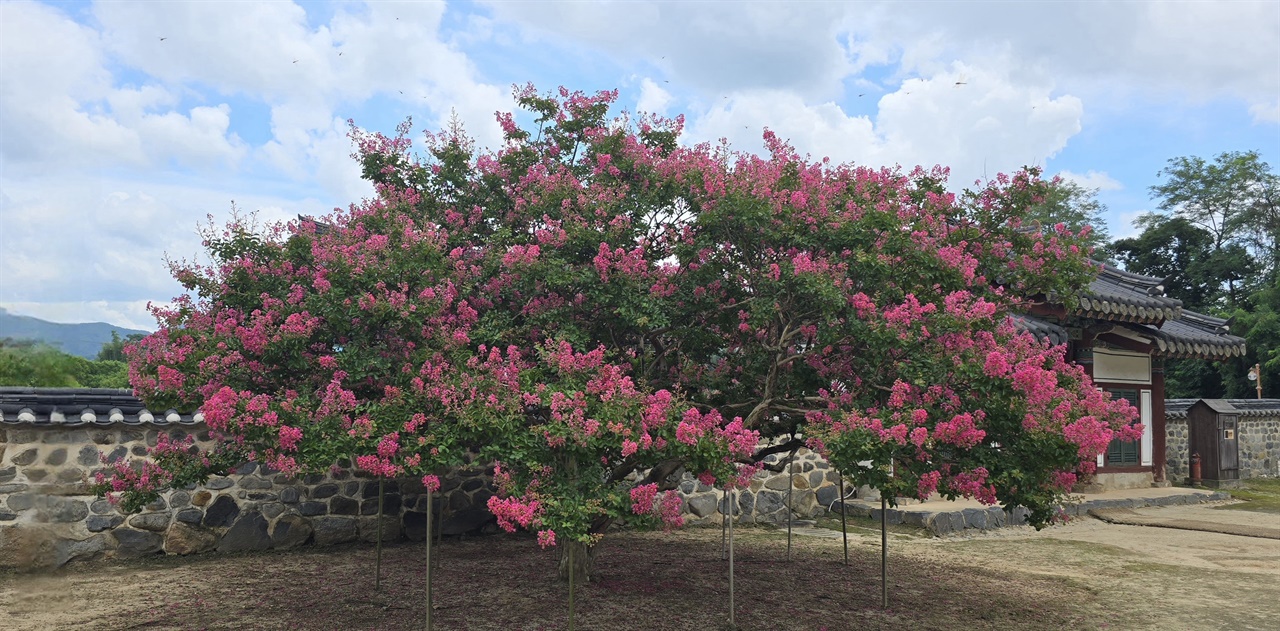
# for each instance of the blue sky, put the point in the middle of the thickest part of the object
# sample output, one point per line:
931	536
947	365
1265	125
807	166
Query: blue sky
116	143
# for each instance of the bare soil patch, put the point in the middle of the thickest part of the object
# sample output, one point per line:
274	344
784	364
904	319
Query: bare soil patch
1068	577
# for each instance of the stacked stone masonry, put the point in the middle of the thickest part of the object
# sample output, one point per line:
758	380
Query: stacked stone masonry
48	516
968	520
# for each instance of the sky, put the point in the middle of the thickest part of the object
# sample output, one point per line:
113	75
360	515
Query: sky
126	125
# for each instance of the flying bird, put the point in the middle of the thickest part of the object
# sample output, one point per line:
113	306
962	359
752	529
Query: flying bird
295	61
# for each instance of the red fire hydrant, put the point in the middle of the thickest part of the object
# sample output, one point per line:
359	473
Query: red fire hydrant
1195	469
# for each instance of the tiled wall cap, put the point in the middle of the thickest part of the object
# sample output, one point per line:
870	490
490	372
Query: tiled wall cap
144	416
88	416
115	415
172	416
25	415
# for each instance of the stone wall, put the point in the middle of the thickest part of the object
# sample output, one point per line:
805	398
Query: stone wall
815	487
48	517
1259	442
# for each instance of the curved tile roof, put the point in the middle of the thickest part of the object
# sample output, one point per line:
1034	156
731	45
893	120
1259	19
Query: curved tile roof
83	406
1177	408
1123	296
1041	329
1194	335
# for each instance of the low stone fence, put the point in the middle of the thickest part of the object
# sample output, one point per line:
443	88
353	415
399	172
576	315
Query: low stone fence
48	516
941	520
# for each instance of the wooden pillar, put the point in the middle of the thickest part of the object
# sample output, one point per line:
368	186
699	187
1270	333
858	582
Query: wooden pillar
1159	433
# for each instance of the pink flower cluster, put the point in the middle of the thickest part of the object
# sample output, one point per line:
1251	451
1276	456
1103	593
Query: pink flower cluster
513	512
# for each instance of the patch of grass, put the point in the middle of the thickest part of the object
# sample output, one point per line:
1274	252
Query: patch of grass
1260	495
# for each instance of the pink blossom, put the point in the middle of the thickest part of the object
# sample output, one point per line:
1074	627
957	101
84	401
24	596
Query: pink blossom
643	497
431	483
289	437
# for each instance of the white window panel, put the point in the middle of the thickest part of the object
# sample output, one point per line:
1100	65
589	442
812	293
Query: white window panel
1144	411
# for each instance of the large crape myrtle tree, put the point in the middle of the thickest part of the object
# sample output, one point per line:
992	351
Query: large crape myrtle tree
599	309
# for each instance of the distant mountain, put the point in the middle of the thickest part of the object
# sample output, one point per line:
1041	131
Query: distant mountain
84	340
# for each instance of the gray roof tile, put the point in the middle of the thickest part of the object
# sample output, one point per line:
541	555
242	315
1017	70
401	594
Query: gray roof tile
1177	408
75	407
1122	296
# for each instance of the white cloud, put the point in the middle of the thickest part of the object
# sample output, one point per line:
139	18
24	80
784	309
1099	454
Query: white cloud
118	137
307	74
974	120
127	314
1266	112
1188	50
1121	224
59	106
1093	180
107	239
1178	50
653	99
712	47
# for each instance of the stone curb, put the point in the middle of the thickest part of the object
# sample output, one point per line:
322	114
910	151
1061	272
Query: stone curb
949	522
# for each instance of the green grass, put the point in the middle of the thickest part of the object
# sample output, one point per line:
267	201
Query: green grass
1260	495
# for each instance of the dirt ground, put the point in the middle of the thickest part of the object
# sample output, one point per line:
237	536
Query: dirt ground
1086	574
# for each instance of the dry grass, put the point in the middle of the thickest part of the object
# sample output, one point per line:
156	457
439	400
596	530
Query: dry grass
643	581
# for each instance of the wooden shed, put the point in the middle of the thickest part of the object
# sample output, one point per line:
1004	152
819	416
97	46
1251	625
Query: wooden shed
1212	426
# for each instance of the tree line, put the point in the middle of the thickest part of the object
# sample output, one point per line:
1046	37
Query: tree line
1216	241
36	364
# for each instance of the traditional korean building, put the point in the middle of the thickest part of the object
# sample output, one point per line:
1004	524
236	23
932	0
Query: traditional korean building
1121	331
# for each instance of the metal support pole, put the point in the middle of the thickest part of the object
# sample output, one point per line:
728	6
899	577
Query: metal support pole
428	540
791	485
377	580
724	525
884	553
731	505
570	586
844	523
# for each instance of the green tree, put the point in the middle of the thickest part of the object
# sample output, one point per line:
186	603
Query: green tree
38	365
1216	246
1074	206
1259	224
1231	198
114	350
677	299
104	374
1176	250
1260	326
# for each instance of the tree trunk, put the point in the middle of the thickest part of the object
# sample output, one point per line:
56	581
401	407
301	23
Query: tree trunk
584	557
